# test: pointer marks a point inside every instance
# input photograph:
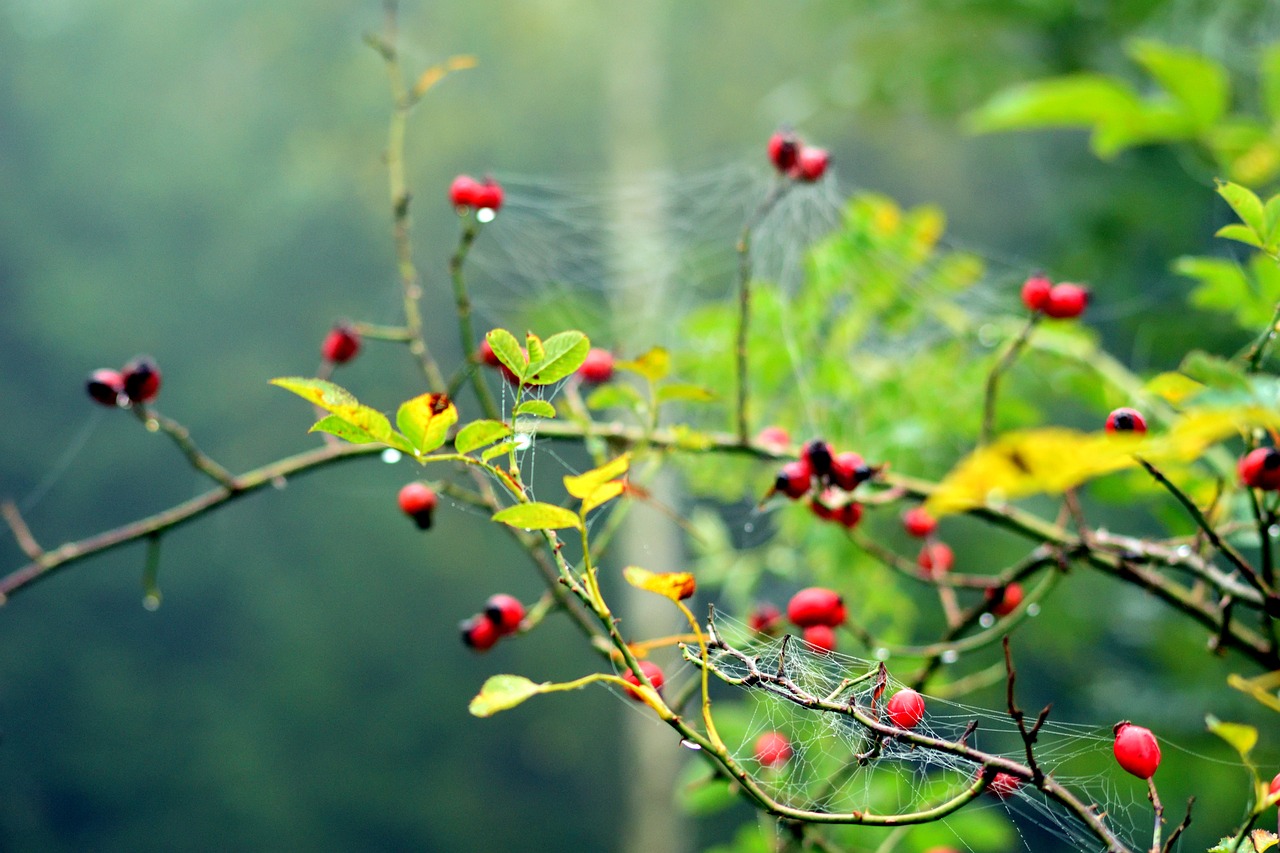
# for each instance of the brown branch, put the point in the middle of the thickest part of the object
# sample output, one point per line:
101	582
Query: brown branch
181	436
21	533
1019	717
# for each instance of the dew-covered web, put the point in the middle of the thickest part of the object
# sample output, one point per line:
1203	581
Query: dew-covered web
824	773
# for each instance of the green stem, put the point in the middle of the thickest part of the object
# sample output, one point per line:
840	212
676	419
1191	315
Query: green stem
462	306
1005	361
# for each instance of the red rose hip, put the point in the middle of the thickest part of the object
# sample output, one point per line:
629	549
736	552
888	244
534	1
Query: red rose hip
918	522
816	606
784	148
821	638
341	344
848	469
1136	749
505	612
105	386
936	558
652	671
141	379
773	749
1035	292
793	479
418	501
906	708
462	192
811	164
1006	601
1066	301
479	632
598	366
1125	419
1260	469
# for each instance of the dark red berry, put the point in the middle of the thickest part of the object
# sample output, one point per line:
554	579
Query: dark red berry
811	164
505	612
1006	600
598	366
1035	292
793	479
105	386
816	606
652	671
773	749
1125	419
418	501
462	192
784	148
820	637
1066	300
488	195
485	354
936	558
341	344
1136	749
848	469
1260	469
141	379
765	619
1004	785
479	632
818	454
833	505
918	522
906	708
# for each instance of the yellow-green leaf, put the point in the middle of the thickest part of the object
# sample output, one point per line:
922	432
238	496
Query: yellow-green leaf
537	408
676	586
603	494
686	392
538	516
562	354
478	434
343	429
425	420
582	485
1173	387
324	394
1241	234
497	450
1246	205
500	692
1242	738
1262	688
654	365
507	349
533	345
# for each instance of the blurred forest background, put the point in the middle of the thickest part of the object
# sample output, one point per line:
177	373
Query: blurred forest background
202	182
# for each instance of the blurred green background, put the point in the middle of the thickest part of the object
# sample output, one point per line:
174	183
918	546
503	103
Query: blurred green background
203	182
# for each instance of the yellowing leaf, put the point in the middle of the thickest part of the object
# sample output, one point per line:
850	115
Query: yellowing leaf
1261	688
478	434
582	485
603	494
1173	387
538	516
436	73
1242	738
324	394
676	586
653	365
500	692
425	420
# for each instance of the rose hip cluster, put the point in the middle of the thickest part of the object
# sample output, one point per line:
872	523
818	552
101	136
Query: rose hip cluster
501	617
467	194
796	160
136	382
829	480
1061	301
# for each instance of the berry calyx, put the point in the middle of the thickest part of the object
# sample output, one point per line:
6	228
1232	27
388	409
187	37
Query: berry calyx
479	632
505	612
1260	469
820	637
341	344
765	619
848	469
1006	600
105	386
816	605
1066	301
818	454
936	558
652	671
811	164
1035	292
598	366
418	501
462	192
1136	749
141	379
793	479
773	749
783	148
906	708
918	522
1125	419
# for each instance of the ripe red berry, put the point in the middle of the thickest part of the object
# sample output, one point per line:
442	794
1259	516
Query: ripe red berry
918	522
816	606
652	671
773	749
485	354
793	479
849	514
141	380
1035	292
1260	469
505	612
105	386
479	632
906	708
818	454
1066	300
418	501
488	195
811	164
1004	785
833	505
1136	749
1125	419
765	619
1275	785
848	469
1006	601
784	147
936	558
774	438
821	637
462	192
598	366
341	344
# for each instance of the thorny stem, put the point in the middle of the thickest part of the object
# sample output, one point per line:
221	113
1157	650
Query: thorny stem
1006	360
1019	717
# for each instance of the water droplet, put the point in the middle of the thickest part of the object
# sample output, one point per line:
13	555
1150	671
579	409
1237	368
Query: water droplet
986	620
523	440
1183	550
882	653
1033	609
749	527
278	482
688	744
391	456
1274	530
949	656
151	601
485	214
152	425
987	335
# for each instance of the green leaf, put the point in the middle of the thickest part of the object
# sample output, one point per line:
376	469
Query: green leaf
343	429
500	692
615	395
1214	371
1247	206
1092	101
533	345
654	365
685	392
507	349
538	408
425	420
478	434
319	392
538	516
1271	222
563	354
1240	737
1270	68
1240	233
1200	85
497	450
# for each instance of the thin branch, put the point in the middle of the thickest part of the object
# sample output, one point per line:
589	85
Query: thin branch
181	436
1019	717
462	307
1005	361
21	533
1180	828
